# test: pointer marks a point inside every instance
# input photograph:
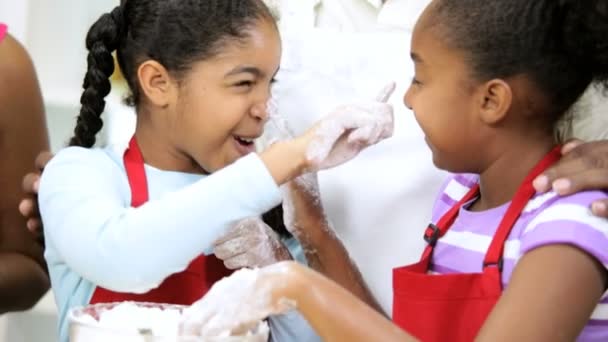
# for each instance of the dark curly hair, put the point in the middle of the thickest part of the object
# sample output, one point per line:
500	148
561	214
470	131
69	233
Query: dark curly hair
560	45
175	33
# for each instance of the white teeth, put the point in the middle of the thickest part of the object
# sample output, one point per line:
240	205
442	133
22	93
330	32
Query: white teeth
248	141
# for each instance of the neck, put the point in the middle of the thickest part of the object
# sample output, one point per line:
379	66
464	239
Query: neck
158	150
512	163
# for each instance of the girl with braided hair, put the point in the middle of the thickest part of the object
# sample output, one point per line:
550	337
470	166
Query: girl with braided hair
139	223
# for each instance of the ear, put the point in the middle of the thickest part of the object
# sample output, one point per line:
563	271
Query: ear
496	100
156	83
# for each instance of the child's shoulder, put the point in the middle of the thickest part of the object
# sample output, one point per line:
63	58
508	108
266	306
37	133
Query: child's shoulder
553	219
572	210
573	206
89	165
87	157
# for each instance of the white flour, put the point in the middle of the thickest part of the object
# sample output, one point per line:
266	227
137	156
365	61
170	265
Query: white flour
133	322
348	129
237	303
250	243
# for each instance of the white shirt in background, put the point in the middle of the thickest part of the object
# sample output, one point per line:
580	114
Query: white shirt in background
339	51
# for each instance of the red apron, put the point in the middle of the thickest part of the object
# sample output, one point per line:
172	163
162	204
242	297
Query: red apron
184	287
453	307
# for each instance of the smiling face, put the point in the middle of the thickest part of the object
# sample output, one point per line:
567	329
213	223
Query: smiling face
442	98
220	106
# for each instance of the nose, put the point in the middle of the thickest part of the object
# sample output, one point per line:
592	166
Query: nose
407	98
260	111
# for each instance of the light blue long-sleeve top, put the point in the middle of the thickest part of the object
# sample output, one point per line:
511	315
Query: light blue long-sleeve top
95	238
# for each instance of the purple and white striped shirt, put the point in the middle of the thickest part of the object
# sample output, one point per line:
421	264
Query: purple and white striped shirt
547	219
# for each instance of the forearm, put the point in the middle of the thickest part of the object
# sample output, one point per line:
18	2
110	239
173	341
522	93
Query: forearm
134	249
337	315
329	257
324	251
22	282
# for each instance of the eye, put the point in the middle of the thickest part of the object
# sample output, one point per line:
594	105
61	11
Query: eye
416	82
272	83
244	84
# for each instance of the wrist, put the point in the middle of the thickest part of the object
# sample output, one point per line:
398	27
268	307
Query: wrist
301	288
295	282
297	148
285	160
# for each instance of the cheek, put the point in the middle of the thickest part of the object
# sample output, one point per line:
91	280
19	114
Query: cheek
437	118
216	115
201	124
426	113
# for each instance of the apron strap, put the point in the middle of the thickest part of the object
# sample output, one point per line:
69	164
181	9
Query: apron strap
136	173
522	197
494	254
435	232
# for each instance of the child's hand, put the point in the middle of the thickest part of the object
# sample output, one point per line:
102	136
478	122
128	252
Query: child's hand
330	142
238	303
347	131
250	243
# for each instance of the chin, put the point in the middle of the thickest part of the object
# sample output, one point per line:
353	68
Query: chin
442	163
211	167
231	160
451	166
438	163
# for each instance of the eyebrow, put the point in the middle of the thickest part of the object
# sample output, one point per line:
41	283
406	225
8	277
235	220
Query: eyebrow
245	70
416	58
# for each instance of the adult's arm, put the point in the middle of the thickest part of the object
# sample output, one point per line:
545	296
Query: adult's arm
23	277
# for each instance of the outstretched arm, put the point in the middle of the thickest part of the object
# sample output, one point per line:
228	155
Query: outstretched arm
248	296
324	251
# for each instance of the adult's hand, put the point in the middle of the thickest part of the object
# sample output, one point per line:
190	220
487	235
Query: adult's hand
584	166
28	207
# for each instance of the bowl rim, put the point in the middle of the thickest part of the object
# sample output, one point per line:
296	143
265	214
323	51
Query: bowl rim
73	319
